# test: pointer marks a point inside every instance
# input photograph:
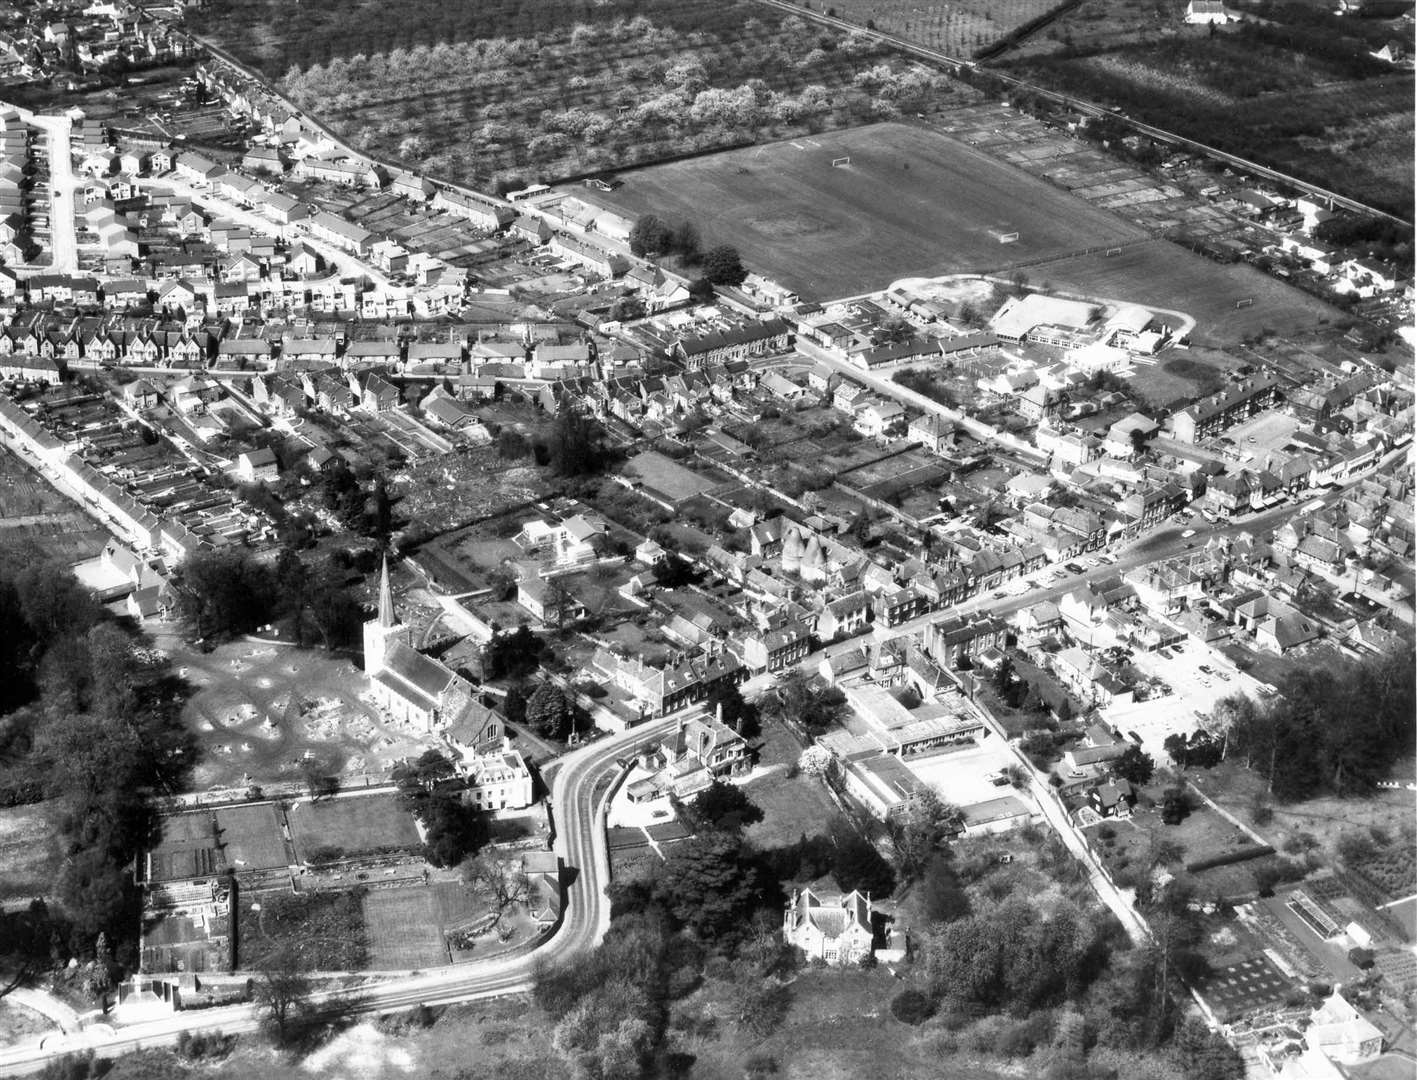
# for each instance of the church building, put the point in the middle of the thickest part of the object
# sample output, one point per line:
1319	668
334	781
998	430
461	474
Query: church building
415	689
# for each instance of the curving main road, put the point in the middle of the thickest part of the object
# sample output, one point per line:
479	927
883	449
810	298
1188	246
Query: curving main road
579	792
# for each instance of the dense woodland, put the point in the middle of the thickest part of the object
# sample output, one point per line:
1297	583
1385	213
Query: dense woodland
1337	728
91	719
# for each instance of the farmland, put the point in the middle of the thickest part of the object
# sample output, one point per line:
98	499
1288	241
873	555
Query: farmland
959	28
1164	275
544	92
1302	95
827	232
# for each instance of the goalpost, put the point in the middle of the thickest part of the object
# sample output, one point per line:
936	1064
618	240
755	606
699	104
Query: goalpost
1113	251
1009	238
841	162
1247	302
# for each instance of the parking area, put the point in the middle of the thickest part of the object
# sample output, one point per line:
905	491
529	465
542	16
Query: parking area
962	776
1270	430
1193	692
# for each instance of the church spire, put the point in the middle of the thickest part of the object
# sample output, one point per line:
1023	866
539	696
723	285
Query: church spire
386	598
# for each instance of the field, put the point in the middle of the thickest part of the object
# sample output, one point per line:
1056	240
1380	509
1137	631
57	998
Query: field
958	29
505	93
29	850
828	232
1167	276
1302	97
357	825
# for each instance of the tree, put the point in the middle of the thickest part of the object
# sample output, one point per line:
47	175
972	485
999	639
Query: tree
686	243
943	898
454	830
919	828
549	713
701	290
912	1006
1138	438
740	715
1175	747
512	445
503	879
711	885
1135	765
798	699
512	655
223	593
725	806
724	266
577	444
1175	806
281	989
650	236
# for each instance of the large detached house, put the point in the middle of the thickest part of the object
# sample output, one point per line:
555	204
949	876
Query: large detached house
837	931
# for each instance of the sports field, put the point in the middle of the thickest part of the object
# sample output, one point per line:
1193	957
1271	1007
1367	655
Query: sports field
1167	276
912	202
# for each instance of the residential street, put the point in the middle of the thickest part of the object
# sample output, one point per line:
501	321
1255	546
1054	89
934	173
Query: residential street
64	246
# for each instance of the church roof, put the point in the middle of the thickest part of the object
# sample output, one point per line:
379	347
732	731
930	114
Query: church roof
406	669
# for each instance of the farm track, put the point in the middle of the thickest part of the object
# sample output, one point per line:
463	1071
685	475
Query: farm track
1090	108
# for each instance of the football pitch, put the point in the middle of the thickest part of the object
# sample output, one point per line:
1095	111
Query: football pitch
911	202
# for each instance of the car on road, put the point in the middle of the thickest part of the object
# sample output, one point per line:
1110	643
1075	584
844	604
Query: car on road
999	595
1204	669
1072	567
1188	534
1165	654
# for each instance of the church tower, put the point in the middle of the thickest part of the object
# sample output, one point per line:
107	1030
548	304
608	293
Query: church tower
384	629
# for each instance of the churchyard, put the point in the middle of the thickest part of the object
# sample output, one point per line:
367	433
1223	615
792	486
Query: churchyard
270	713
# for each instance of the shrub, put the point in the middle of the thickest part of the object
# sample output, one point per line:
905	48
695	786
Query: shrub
912	1006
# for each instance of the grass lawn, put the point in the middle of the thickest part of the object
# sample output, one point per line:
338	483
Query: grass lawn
839	1027
29	850
1204	834
356	825
1324	818
1168	276
790	808
826	232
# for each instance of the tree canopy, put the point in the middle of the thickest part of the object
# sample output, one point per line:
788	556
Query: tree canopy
724	266
1335	728
722	805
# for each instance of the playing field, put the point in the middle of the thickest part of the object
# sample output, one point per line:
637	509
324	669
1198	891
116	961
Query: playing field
913	202
1168	276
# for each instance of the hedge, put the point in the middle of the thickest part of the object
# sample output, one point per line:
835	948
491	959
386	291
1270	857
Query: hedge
1244	854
